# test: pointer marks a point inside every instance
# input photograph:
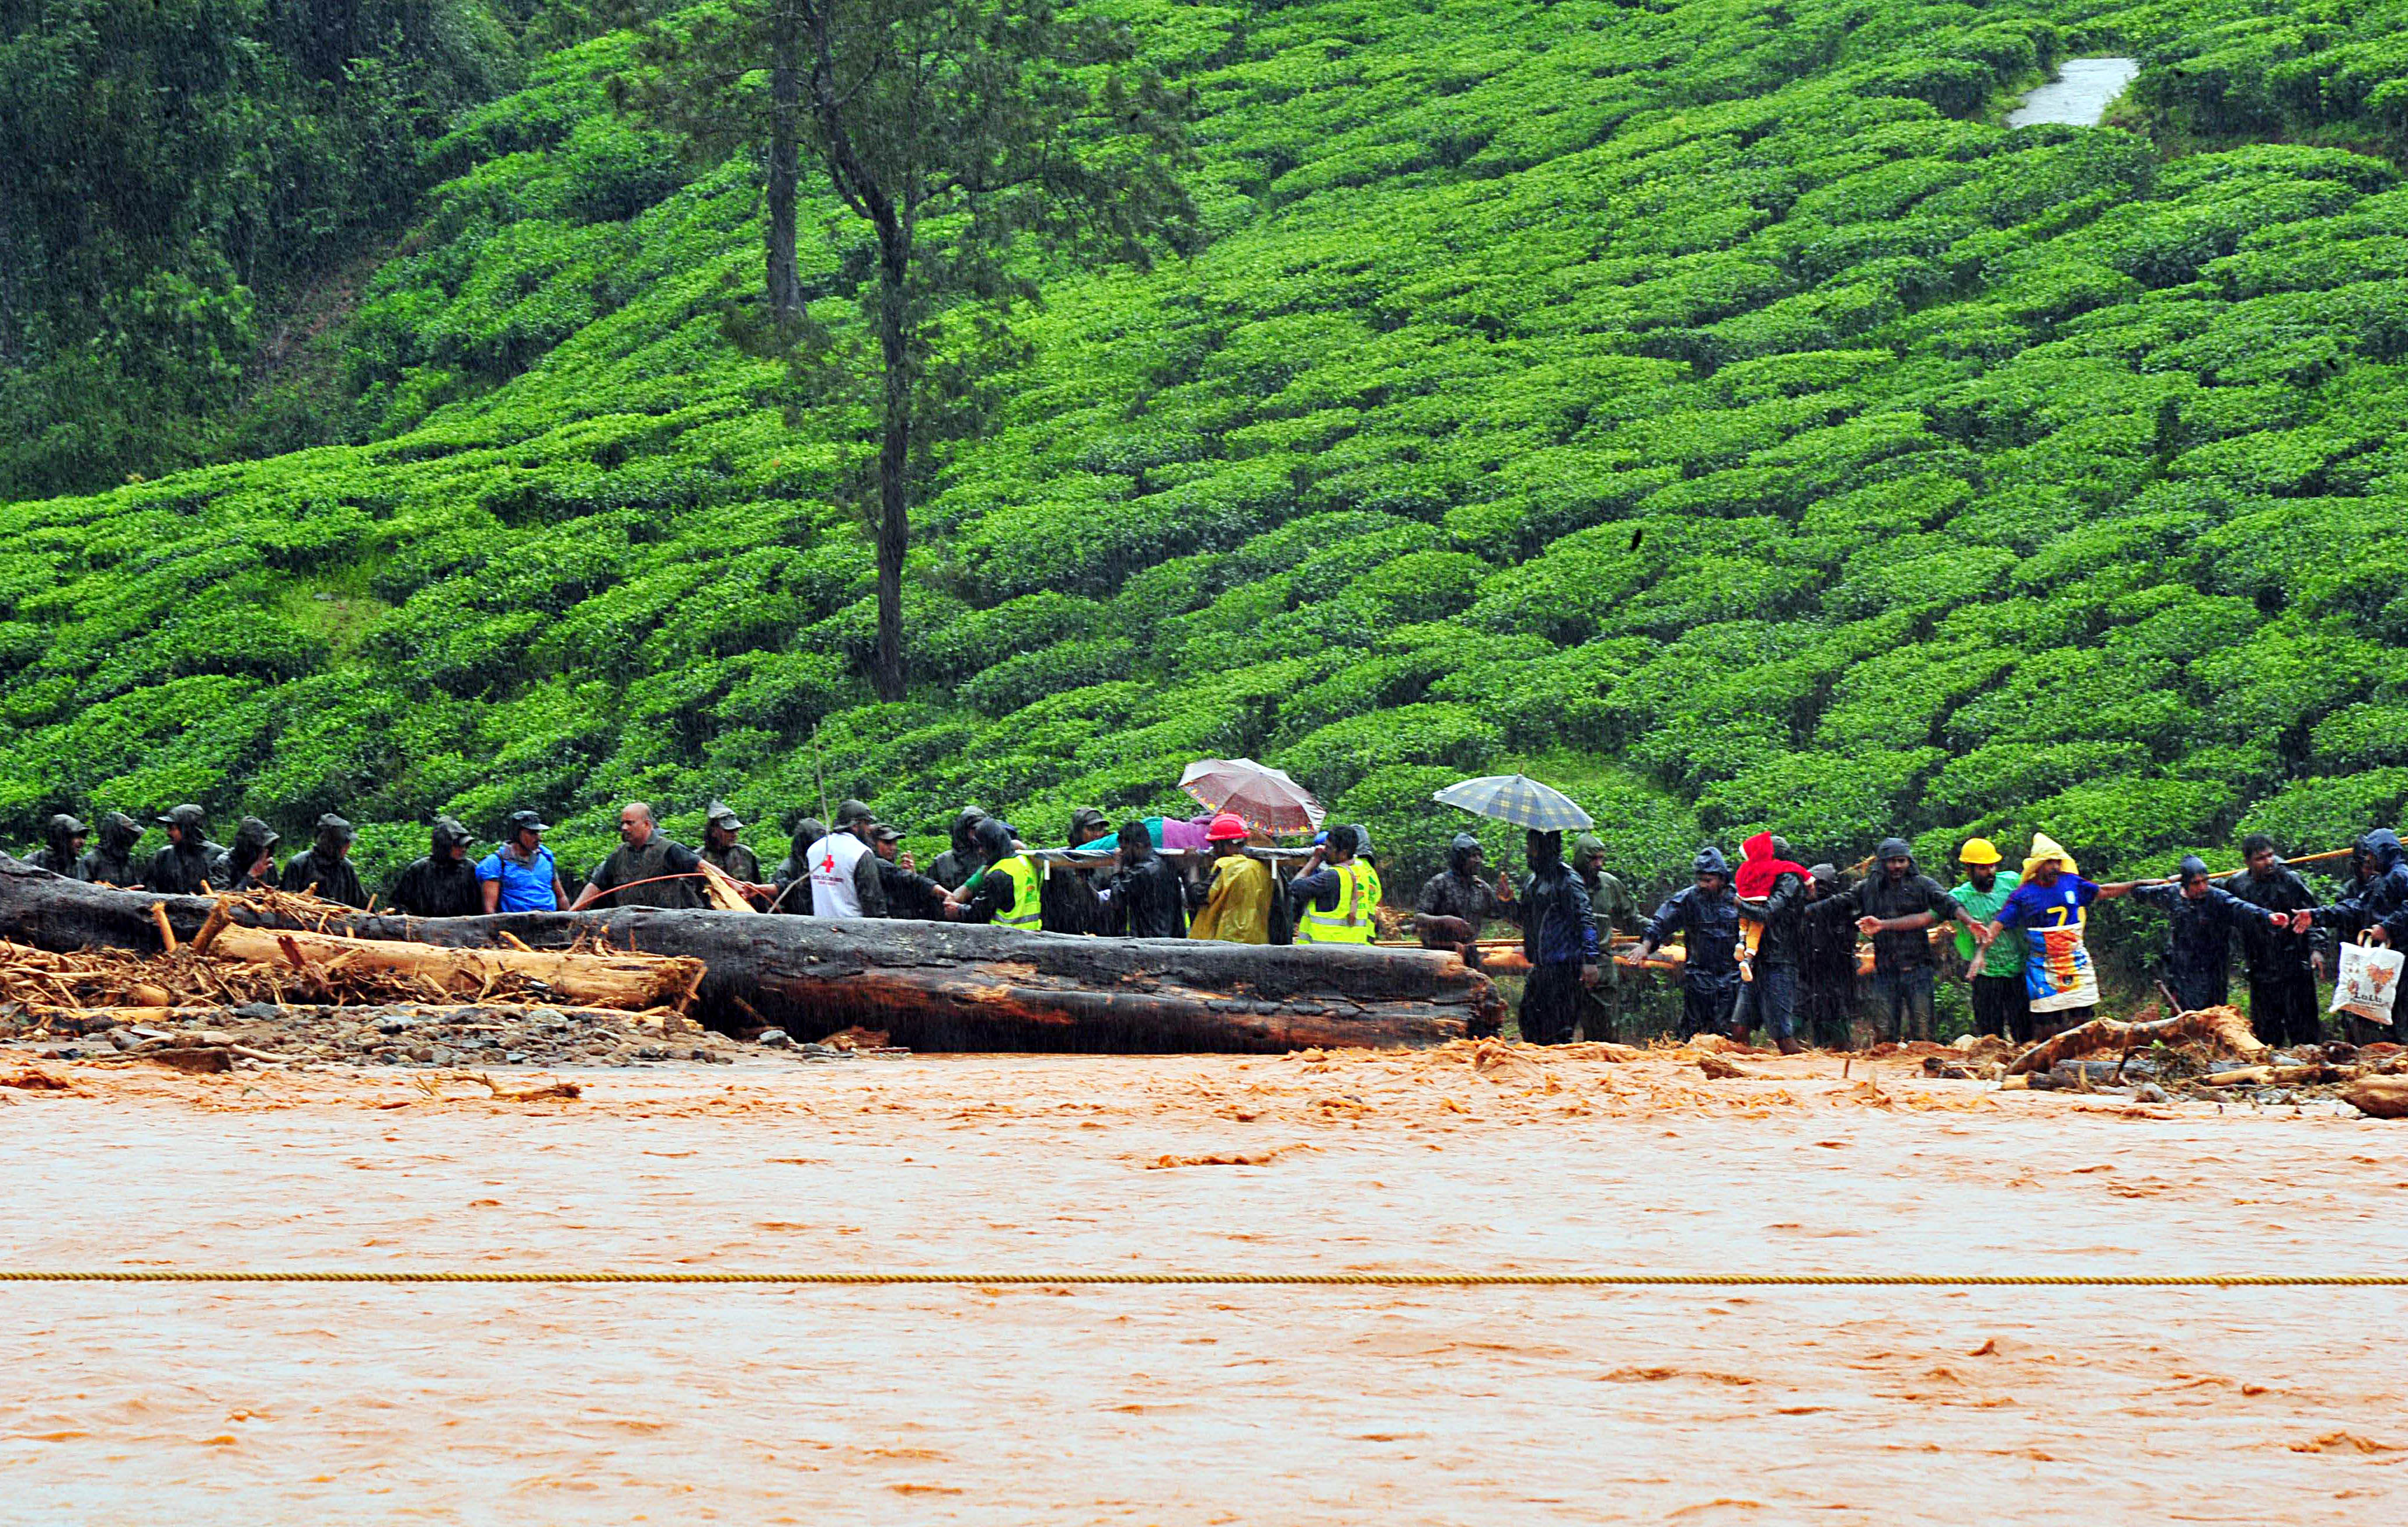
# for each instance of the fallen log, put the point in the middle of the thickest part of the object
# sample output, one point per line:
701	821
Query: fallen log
930	985
2223	1026
630	982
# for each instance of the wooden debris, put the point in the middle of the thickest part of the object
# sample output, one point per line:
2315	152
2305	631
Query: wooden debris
2223	1027
166	934
2378	1097
1723	1070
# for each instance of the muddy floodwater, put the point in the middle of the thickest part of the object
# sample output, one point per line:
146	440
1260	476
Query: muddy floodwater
2080	93
611	1405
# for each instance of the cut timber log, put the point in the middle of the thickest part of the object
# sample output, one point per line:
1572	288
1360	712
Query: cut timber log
928	985
2222	1026
2379	1097
630	982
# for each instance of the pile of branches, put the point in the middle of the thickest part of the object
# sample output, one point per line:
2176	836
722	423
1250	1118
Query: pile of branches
192	977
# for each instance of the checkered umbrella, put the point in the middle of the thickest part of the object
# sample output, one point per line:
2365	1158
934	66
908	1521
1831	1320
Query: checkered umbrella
1525	801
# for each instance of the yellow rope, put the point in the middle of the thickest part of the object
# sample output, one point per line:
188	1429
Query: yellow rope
1925	1280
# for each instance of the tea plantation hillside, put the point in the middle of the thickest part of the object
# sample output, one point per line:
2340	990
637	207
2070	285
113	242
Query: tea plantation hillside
1705	404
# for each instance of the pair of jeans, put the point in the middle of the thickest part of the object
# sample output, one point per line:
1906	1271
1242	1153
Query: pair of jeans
1902	1004
1770	1000
1706	1009
2003	1007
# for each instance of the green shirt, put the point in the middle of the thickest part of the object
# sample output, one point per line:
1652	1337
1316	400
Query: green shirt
2006	959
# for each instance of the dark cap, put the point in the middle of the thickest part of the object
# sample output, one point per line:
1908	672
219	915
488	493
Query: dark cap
190	818
722	815
337	826
525	822
1893	848
852	813
65	825
889	835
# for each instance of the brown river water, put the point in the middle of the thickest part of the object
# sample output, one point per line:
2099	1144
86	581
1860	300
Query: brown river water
545	1404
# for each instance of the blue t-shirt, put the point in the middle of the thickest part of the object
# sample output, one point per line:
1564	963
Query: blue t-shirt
2034	906
525	888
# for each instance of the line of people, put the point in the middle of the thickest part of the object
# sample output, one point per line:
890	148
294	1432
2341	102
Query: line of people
1772	945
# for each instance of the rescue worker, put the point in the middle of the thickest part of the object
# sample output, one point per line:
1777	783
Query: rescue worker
1895	907
1613	909
909	894
185	866
1006	893
2002	1007
1072	896
646	869
251	863
2199	947
844	867
444	884
1771	893
326	865
1560	940
112	863
795	870
1455	904
1826	966
1706	914
2281	962
957	864
520	875
719	848
2382	892
1238	905
1146	898
1336	900
62	849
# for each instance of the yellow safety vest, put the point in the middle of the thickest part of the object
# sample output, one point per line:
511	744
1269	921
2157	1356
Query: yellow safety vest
1349	920
1027	909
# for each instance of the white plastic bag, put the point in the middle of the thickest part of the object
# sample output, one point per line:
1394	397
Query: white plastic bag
2366	982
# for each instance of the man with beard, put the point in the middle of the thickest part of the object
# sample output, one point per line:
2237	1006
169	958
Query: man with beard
1895	907
444	884
719	848
113	863
1613	909
2281	962
520	876
2001	1005
251	863
909	894
1456	902
61	852
1706	916
186	867
2198	948
1146	898
326	865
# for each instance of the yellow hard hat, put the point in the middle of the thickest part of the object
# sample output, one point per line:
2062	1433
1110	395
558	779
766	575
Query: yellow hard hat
1979	850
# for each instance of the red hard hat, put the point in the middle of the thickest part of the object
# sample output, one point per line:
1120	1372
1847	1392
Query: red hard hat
1225	826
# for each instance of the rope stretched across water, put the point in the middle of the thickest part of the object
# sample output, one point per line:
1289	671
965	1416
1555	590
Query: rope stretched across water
1192	1279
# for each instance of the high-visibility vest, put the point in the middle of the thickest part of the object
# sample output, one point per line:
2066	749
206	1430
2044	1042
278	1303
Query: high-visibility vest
1026	912
1349	920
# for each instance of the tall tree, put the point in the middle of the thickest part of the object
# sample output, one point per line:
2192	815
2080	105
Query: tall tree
979	141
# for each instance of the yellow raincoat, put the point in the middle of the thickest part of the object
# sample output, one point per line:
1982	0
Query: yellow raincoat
1238	908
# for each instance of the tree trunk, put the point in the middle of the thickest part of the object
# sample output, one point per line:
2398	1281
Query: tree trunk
2223	1026
592	980
930	985
894	457
784	167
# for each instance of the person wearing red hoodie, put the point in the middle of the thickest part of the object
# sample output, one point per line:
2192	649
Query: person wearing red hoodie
1771	907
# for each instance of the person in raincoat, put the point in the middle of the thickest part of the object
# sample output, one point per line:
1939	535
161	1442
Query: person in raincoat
1895	905
251	863
1705	916
2199	948
1613	909
1772	928
112	863
2001	1005
911	895
444	884
1455	904
957	864
1008	890
186	867
326	865
1238	905
1146	898
1336	893
2381	896
2281	962
61	850
1560	940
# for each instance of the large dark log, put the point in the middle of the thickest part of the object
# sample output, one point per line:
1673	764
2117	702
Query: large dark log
930	985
